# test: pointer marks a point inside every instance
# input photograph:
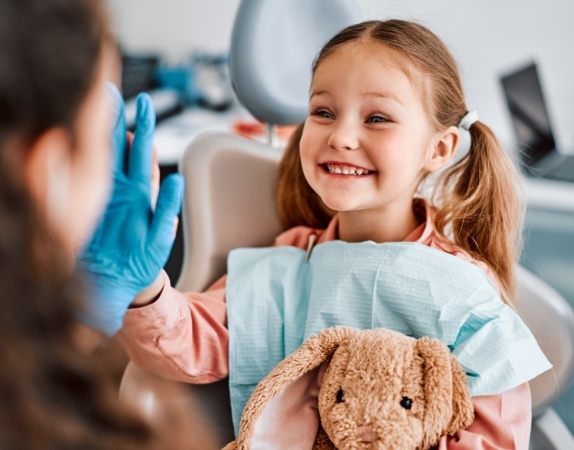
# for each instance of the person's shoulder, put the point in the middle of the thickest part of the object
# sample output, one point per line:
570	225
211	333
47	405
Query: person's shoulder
296	236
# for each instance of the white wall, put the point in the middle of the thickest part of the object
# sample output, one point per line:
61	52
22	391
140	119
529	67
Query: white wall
487	37
174	27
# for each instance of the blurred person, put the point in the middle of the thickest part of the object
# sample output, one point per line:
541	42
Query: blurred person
56	57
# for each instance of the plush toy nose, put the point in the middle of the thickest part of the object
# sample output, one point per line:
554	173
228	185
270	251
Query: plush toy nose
365	433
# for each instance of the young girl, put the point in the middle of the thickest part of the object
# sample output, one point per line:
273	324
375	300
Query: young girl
55	123
386	108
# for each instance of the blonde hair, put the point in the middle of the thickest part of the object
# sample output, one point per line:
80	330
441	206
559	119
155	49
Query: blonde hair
477	200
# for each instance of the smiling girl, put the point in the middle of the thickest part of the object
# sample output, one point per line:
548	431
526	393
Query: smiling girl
386	110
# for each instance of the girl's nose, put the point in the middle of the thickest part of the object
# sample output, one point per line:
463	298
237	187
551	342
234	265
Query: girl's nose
344	136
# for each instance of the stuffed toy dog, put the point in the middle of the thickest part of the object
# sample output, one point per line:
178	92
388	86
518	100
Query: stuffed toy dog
351	389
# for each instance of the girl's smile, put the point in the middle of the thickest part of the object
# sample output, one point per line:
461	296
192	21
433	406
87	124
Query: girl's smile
345	169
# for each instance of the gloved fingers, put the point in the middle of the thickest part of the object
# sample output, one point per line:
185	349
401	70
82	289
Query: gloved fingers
119	143
155	178
162	230
116	221
155	171
141	150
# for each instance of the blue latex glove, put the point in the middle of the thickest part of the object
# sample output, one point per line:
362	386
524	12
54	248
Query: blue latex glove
132	242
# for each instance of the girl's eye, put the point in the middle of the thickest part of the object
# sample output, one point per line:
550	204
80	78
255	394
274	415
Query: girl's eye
377	119
323	113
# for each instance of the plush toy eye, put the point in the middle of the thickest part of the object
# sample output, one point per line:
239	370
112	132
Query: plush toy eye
340	394
406	403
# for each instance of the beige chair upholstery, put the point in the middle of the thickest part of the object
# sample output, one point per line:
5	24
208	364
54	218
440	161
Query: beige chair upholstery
228	203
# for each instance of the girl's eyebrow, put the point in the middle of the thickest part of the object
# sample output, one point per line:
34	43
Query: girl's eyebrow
314	94
384	95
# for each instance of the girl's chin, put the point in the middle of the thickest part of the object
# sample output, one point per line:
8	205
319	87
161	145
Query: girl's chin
338	205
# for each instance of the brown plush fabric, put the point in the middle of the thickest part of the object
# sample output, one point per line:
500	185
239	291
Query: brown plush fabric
379	389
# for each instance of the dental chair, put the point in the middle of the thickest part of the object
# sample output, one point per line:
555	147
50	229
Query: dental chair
551	319
229	203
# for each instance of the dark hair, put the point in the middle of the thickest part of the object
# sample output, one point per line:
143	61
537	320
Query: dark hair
48	51
477	200
52	395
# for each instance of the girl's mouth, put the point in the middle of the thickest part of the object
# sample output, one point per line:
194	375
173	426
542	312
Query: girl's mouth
343	169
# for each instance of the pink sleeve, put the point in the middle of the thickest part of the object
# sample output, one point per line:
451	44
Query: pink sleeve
501	422
296	236
181	336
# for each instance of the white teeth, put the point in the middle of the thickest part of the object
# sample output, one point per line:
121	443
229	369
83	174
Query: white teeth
344	170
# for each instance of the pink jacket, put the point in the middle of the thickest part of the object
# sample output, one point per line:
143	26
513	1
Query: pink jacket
183	336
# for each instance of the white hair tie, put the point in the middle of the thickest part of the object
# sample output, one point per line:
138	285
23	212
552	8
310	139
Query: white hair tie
469	118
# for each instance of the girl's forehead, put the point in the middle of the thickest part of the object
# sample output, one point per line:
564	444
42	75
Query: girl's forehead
364	59
372	55
371	49
368	49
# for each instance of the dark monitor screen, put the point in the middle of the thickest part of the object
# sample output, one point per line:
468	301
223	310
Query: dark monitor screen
530	119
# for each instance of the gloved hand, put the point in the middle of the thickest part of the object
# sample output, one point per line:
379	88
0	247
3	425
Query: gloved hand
132	242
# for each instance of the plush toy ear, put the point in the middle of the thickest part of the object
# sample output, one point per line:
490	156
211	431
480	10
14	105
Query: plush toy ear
462	406
448	403
282	411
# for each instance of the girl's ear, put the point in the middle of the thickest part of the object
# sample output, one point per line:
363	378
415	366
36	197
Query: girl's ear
47	173
443	149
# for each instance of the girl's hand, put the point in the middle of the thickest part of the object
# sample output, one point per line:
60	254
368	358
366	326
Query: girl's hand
133	241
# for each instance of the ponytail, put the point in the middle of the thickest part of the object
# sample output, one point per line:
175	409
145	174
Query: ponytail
479	206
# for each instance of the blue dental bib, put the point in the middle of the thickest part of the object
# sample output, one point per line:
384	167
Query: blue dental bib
276	299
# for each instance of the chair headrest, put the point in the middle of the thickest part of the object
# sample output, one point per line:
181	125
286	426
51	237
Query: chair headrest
273	46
